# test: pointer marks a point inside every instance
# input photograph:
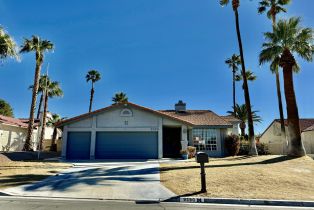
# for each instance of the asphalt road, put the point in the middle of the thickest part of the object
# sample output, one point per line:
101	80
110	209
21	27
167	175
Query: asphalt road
16	203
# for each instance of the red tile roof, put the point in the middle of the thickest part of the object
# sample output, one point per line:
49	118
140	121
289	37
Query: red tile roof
199	117
12	121
304	123
230	118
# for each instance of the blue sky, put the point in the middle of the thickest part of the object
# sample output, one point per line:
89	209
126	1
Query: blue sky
156	51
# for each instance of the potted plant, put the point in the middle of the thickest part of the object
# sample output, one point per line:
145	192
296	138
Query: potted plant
184	154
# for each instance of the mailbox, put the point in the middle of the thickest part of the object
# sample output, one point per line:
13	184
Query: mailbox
201	157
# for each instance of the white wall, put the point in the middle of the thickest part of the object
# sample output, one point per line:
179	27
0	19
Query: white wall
12	138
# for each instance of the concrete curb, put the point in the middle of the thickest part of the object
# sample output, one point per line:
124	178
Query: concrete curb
238	201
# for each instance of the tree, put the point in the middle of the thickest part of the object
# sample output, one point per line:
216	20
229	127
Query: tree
93	76
52	122
233	64
7	46
51	89
41	84
241	114
289	38
39	46
275	7
119	98
6	109
235	6
249	76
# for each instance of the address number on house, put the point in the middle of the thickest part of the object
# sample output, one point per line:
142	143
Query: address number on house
192	200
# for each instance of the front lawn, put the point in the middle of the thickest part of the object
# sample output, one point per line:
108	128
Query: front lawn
263	177
14	173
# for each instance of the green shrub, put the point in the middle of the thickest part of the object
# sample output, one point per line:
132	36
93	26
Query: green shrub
232	144
244	147
262	149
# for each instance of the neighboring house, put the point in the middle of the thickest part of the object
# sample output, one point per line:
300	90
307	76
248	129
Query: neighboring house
272	136
13	133
130	131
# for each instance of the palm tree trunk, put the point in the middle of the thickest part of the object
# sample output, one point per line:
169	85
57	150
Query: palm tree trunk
91	98
295	147
53	147
43	129
242	128
234	96
39	106
282	119
253	150
27	145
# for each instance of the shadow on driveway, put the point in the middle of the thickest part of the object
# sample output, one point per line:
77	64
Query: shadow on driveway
95	176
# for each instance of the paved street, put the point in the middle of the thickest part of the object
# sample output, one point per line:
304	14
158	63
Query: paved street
111	180
13	203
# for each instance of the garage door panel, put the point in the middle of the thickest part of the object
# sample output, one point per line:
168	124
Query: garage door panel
126	145
78	145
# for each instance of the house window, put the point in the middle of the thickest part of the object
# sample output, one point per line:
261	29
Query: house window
126	113
205	139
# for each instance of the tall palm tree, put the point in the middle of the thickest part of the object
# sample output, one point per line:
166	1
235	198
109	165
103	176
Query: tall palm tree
233	64
41	84
51	89
249	76
235	6
7	46
119	98
93	76
39	46
241	114
289	38
52	122
272	9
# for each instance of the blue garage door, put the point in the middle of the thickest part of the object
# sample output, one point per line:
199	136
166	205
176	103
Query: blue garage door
78	145
126	145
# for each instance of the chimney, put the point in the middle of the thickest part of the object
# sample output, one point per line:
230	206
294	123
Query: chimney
180	106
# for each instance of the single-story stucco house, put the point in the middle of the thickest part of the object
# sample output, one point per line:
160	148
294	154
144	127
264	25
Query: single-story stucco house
130	131
272	136
13	133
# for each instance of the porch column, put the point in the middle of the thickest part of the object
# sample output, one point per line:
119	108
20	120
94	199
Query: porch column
160	139
64	142
184	137
93	139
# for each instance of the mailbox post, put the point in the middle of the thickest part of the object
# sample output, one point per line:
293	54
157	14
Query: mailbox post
202	158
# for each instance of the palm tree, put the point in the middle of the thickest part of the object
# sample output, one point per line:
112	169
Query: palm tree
51	89
235	6
249	76
275	7
241	114
233	64
120	98
93	76
39	46
289	38
41	84
52	122
7	46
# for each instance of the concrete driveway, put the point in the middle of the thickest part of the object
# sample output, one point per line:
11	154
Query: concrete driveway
110	180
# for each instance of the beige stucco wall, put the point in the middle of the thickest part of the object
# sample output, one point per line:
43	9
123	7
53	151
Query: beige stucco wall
308	141
272	137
